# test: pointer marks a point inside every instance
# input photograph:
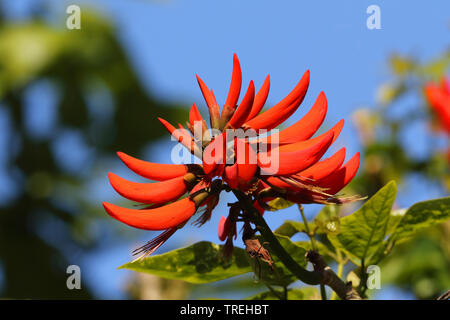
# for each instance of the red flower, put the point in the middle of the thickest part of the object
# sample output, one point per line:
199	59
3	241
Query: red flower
237	155
439	99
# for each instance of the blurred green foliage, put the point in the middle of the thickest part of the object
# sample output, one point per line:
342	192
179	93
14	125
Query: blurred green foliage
386	156
49	221
421	265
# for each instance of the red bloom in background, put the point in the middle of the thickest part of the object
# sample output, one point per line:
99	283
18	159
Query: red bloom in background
286	164
439	100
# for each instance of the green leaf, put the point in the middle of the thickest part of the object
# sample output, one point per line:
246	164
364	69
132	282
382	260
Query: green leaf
328	220
295	251
290	228
363	232
306	293
394	219
387	93
198	263
402	65
405	223
420	216
279	203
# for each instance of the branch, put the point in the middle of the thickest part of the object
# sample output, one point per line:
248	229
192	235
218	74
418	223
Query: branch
308	277
444	296
344	290
322	272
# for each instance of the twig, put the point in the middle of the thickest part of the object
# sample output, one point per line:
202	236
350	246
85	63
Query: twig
344	290
308	277
323	292
307	229
444	296
321	273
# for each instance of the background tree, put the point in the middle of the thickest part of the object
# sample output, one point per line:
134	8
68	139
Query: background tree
100	106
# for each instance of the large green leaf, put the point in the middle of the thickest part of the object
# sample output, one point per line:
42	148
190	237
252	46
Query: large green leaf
395	217
420	216
363	232
198	263
295	251
305	293
405	223
290	228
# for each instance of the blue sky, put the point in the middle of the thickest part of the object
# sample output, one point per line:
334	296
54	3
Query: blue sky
169	41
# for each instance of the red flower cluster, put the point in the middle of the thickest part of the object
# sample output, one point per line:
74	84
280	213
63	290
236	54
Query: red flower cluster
439	99
236	156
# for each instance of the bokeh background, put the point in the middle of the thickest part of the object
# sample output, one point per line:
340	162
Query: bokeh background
69	99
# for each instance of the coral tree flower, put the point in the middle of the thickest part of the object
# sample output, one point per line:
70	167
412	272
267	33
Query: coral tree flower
237	153
439	100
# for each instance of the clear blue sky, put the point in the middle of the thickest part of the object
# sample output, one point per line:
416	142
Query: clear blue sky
170	41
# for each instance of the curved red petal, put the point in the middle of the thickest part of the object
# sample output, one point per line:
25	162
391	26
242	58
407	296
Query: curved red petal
278	183
160	218
235	86
231	176
181	135
242	112
260	99
153	171
213	108
207	95
194	115
214	155
322	168
157	192
290	162
284	109
306	127
340	178
336	130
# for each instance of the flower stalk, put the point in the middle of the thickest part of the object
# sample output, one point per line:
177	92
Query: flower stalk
308	277
310	234
322	272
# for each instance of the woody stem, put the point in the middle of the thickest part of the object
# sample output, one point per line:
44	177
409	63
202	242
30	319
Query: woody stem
308	277
322	272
